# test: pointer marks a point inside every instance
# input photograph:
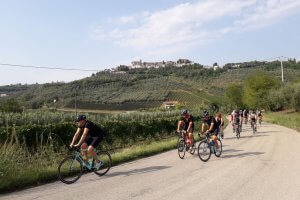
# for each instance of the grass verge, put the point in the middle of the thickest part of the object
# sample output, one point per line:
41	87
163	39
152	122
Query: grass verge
288	119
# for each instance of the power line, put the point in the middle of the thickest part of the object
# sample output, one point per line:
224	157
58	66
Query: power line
51	68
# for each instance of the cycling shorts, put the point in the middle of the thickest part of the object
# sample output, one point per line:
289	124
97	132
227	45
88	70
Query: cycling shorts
93	141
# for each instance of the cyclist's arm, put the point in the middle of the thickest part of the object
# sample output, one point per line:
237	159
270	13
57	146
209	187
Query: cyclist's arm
75	136
222	122
190	126
179	125
85	132
211	127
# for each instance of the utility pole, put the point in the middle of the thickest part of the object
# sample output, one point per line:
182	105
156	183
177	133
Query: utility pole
281	68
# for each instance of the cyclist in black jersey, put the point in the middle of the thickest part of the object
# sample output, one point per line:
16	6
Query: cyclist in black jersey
187	123
90	138
213	126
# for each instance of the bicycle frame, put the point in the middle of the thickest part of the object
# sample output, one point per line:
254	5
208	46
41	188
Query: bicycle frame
77	155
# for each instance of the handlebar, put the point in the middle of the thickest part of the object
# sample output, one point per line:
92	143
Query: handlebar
73	148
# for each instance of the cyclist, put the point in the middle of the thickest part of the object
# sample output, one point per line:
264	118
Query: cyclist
241	118
253	118
245	115
90	138
259	115
213	127
187	124
237	120
220	123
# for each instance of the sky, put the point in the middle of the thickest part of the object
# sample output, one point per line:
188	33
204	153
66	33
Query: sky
97	35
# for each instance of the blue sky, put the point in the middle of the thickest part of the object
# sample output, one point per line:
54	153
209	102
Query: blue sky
103	34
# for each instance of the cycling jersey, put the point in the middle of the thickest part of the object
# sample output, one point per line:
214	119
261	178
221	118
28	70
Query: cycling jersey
94	130
252	116
186	123
211	120
236	119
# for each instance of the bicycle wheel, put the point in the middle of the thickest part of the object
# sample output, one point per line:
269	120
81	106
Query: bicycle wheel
70	170
204	151
218	150
181	147
238	133
105	158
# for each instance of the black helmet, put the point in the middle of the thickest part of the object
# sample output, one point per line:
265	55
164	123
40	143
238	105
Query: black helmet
205	113
80	117
184	112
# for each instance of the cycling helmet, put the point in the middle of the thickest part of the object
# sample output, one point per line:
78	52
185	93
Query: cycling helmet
205	113
184	112
80	117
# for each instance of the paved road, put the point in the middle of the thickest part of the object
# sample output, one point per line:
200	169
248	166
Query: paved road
263	166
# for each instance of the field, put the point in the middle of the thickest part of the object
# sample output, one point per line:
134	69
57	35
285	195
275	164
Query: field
289	119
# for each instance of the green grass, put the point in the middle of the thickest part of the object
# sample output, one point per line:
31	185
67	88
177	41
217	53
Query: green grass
20	169
288	119
189	99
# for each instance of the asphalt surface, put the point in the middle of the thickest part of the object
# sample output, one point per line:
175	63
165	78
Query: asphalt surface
261	166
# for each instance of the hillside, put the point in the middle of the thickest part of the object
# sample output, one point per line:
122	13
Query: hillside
144	88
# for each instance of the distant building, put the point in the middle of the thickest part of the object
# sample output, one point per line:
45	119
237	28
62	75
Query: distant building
169	104
136	64
3	95
170	63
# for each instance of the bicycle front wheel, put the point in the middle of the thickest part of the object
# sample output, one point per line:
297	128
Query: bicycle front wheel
70	170
181	147
204	151
105	159
218	149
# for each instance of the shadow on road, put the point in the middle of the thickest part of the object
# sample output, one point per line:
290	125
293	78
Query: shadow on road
138	171
241	155
250	136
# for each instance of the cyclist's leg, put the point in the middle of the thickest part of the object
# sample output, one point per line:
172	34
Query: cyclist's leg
214	137
84	147
191	137
92	146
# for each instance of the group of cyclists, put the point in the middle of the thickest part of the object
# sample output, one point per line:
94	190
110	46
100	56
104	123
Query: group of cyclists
210	125
213	126
237	117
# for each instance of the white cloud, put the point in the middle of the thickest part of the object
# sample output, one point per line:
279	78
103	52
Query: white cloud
186	25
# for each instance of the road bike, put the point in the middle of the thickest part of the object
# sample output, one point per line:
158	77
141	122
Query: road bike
237	128
253	126
207	146
73	166
259	120
183	144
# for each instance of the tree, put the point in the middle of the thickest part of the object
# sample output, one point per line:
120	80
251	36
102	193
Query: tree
234	96
296	99
257	88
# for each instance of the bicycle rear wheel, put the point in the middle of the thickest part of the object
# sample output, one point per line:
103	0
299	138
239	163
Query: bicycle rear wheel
204	151
70	170
238	133
105	158
181	147
218	151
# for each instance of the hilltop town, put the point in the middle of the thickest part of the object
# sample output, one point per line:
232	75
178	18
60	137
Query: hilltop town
147	65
